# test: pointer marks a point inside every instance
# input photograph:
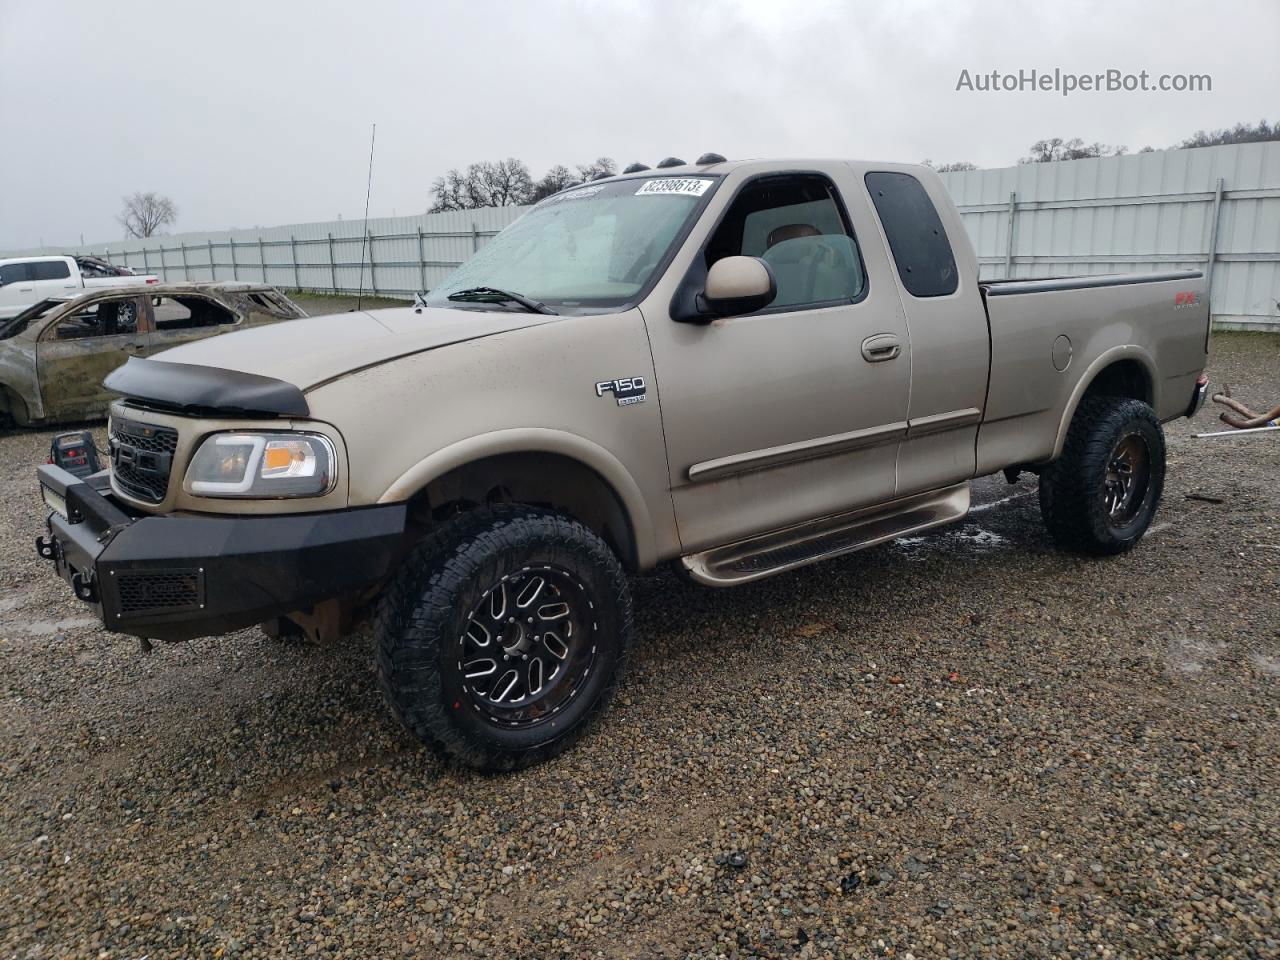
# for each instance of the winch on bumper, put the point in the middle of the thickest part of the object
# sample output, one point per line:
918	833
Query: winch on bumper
179	576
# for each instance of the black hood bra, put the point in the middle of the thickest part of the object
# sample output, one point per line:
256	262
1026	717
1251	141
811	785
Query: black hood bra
191	388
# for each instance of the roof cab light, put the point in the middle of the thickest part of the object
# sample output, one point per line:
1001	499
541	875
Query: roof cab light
262	466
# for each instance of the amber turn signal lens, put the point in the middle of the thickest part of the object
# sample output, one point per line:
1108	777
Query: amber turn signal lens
277	458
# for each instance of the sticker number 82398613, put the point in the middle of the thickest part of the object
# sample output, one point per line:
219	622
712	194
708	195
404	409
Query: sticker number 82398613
685	186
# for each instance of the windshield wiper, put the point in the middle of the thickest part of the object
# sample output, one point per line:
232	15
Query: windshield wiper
494	295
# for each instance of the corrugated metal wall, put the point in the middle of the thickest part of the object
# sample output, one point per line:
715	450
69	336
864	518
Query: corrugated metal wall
1148	211
1151	211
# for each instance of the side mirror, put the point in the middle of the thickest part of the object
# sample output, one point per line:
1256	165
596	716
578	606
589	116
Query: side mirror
738	285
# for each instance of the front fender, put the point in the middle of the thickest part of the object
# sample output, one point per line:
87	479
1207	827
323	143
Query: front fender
536	440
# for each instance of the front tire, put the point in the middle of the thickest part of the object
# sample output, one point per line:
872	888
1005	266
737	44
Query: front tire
503	636
1100	496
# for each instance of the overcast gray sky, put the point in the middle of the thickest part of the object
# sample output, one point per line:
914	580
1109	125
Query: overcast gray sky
257	113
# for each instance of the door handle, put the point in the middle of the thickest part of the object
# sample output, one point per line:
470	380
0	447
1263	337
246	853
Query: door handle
881	347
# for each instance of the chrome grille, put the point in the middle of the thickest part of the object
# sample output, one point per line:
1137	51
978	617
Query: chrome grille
142	458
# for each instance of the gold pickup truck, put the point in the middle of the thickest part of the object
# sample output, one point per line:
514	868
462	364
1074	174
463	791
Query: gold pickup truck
742	368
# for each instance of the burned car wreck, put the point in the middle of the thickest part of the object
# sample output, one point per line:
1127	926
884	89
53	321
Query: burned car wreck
55	354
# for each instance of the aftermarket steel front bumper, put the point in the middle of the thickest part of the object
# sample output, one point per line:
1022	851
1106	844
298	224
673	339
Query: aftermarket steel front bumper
179	576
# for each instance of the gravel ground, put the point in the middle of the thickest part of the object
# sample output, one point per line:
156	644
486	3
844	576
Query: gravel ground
960	745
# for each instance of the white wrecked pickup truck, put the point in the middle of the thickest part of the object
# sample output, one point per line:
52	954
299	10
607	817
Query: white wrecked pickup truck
28	280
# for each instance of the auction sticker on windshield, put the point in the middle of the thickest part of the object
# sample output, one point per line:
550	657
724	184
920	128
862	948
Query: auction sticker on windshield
685	186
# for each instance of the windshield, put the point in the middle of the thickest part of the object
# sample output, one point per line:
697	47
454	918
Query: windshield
585	250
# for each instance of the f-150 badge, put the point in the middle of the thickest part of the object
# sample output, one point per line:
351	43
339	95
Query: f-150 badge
627	390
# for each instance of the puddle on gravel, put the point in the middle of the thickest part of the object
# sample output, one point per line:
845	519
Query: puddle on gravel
969	537
1186	655
1268	665
12	603
47	628
982	539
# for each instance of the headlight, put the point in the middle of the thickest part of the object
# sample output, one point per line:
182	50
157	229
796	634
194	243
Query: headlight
262	465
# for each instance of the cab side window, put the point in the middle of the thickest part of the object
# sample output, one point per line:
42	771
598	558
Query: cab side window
794	223
15	273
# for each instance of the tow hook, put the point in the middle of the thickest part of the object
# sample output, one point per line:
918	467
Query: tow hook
84	588
46	549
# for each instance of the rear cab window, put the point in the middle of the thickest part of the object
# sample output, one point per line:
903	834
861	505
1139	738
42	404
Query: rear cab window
274	305
921	250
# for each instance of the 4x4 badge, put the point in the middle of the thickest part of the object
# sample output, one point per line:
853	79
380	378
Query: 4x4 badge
627	390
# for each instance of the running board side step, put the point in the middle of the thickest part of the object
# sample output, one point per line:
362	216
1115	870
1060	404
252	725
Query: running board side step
833	536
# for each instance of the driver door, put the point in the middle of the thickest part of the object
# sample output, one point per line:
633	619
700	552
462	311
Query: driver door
796	411
76	352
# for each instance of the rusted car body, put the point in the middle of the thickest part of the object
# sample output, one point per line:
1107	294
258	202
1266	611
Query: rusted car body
54	355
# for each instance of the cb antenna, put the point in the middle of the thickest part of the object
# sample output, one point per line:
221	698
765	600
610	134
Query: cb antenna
364	240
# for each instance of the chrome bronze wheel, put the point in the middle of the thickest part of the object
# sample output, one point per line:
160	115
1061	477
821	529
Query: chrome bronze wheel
1127	479
1099	496
528	647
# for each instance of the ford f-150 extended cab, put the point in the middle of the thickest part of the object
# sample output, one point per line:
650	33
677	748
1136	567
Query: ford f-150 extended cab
739	367
25	281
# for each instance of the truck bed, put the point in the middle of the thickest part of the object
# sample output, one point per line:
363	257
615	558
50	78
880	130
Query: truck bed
1051	337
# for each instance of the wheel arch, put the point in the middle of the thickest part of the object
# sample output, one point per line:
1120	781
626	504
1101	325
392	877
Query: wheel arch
1124	371
560	470
14	407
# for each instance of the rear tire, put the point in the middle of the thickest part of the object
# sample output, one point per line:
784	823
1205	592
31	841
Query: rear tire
503	636
1100	496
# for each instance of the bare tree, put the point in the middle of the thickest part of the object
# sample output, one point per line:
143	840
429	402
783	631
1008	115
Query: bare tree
553	181
499	183
449	192
956	166
589	171
1240	133
1055	148
145	213
503	183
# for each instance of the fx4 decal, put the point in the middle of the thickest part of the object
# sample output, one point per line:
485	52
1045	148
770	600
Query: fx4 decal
627	390
1188	298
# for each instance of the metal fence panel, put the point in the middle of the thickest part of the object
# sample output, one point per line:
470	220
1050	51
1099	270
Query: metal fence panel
1143	212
